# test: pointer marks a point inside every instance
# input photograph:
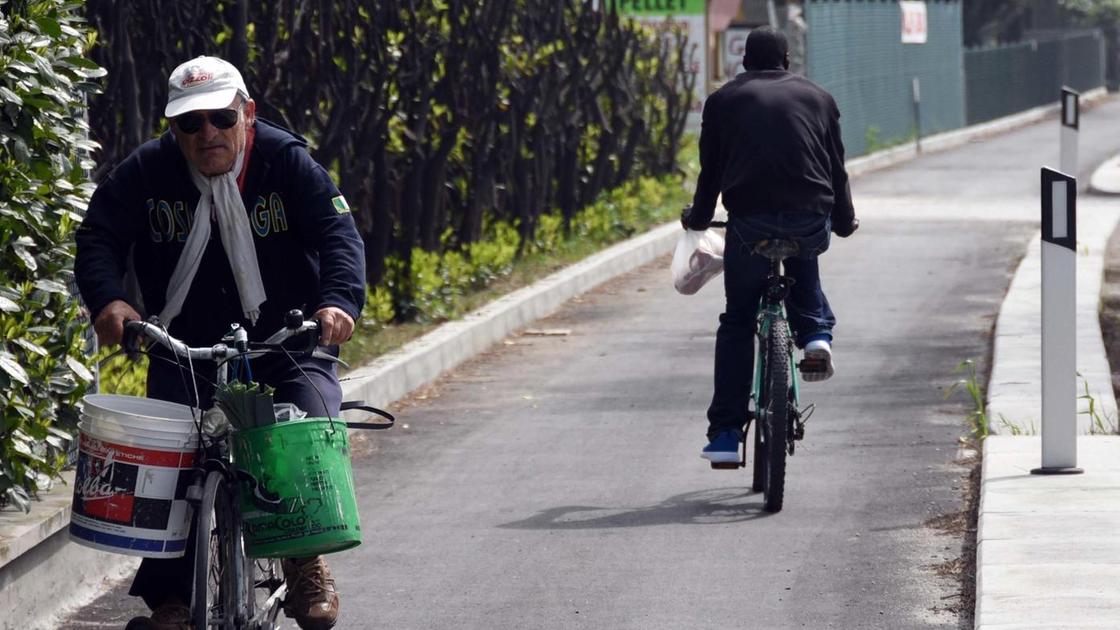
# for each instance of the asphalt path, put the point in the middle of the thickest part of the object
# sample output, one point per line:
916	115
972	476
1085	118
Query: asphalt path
555	482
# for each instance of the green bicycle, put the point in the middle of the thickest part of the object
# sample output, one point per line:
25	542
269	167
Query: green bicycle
776	391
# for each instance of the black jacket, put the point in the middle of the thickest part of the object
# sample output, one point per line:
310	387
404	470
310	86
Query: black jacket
308	248
770	142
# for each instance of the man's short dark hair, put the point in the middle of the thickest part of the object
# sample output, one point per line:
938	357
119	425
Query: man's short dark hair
766	49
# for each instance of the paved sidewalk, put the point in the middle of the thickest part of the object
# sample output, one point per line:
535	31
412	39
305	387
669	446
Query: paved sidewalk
1047	553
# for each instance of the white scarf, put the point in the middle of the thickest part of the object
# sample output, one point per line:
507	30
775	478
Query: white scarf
220	194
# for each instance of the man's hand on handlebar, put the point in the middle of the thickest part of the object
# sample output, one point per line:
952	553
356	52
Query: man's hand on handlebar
337	326
109	324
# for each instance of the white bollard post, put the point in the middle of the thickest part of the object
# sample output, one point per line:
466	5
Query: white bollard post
1059	324
1071	124
916	92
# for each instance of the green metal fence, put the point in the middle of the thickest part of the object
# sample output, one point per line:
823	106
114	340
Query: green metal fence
855	51
1002	80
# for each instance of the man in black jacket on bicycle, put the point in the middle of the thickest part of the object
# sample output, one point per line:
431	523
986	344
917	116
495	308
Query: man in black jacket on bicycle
228	219
770	144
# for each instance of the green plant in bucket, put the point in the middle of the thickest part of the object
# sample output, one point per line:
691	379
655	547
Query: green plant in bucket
246	405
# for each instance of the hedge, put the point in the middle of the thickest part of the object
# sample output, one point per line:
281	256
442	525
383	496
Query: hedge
44	368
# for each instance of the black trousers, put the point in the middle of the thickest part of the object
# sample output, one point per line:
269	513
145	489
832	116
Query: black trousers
319	394
744	278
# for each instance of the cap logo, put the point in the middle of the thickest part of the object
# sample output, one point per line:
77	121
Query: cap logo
196	76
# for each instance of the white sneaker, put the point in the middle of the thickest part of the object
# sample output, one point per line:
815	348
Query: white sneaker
816	364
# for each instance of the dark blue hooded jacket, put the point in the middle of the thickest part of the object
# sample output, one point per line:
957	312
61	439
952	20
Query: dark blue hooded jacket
308	248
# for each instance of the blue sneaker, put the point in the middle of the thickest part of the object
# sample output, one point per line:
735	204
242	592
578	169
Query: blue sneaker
723	449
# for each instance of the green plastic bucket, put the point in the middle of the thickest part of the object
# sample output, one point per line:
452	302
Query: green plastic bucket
300	500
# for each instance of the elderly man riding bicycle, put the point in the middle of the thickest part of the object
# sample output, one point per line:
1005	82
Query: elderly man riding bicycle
227	219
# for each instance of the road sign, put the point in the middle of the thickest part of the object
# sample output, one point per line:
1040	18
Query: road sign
915	26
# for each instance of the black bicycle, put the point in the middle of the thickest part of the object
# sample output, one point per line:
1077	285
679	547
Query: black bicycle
230	590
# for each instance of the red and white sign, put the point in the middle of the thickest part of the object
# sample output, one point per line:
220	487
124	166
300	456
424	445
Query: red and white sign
915	27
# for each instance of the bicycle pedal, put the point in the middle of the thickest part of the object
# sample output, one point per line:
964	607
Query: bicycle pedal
813	365
726	465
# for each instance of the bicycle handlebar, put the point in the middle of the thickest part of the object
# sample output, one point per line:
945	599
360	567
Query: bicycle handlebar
294	325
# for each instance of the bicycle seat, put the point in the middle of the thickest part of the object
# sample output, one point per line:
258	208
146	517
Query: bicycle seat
776	248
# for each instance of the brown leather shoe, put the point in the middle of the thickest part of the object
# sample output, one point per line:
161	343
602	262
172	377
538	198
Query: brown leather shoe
171	616
312	600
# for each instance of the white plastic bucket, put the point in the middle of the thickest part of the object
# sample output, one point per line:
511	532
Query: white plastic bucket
130	408
133	471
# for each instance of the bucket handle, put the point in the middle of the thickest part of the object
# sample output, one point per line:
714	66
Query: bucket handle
362	406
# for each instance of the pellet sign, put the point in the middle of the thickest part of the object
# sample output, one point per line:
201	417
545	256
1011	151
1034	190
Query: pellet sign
661	7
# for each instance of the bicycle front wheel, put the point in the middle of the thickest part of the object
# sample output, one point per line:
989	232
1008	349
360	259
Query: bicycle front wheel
775	412
269	590
219	575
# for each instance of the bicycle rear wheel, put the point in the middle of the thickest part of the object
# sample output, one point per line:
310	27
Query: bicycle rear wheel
775	414
219	571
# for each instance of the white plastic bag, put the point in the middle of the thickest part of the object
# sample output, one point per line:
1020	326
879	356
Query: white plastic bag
697	259
287	411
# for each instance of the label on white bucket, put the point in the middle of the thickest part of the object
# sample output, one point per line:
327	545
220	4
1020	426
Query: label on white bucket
130	498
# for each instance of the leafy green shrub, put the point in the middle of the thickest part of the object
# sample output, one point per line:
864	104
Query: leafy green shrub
634	206
437	292
378	312
121	375
44	369
549	234
493	257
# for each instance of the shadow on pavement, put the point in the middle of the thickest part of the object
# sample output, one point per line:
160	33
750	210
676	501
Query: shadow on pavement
704	507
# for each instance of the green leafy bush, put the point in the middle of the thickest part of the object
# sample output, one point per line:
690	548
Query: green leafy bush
493	257
378	312
121	375
44	369
443	282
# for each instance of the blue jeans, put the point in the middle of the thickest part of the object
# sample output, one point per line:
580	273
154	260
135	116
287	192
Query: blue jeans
744	278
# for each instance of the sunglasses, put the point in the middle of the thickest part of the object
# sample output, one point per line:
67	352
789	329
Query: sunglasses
191	122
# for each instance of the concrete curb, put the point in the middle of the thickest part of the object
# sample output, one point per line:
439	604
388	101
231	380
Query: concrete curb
395	375
1046	550
42	573
1014	392
1106	179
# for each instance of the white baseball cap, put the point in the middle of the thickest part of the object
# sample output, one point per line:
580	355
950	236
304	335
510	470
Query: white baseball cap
203	83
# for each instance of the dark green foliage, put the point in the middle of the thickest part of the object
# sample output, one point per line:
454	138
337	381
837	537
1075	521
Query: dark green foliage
44	79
